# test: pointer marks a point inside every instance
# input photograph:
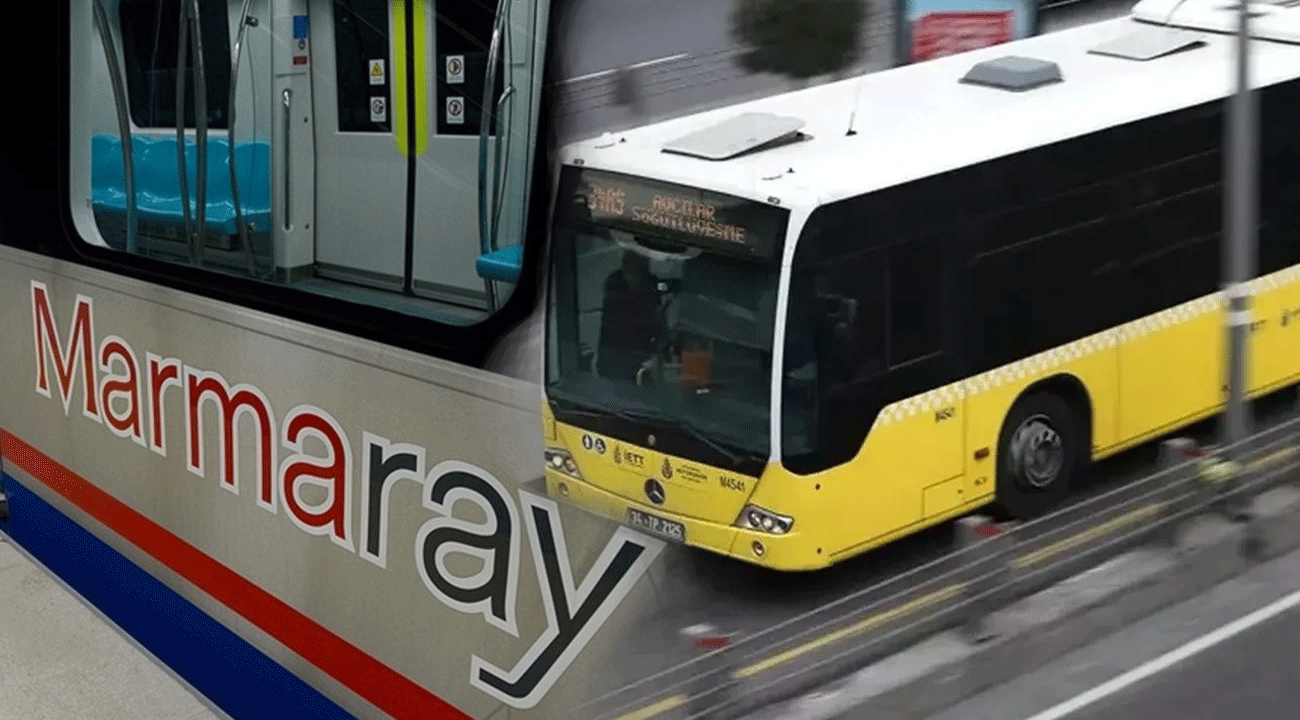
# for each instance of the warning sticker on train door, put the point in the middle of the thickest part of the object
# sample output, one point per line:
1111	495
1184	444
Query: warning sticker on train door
455	111
455	69
378	109
377	72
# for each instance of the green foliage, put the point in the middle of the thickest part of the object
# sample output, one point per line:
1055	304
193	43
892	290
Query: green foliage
798	38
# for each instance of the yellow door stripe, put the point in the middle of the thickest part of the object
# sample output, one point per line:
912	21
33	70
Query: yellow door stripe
422	76
398	51
420	65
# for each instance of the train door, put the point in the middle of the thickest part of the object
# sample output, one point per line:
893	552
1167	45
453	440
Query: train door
410	180
484	89
362	187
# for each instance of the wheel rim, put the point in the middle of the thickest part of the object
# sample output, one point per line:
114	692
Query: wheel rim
1037	452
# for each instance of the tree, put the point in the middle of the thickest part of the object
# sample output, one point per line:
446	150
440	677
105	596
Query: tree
801	39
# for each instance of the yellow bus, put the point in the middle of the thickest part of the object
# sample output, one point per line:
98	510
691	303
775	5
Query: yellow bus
795	329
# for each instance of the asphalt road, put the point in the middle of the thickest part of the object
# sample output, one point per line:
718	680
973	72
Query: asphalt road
1229	653
1252	675
688	57
612	33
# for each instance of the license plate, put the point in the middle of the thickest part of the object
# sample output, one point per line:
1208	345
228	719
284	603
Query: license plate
657	525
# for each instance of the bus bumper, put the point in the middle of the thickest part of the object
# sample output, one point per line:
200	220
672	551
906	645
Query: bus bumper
793	551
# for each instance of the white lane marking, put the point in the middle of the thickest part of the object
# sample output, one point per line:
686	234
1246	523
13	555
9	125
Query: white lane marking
1169	659
611	71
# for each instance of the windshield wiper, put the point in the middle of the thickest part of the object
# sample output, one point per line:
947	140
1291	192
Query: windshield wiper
690	429
656	418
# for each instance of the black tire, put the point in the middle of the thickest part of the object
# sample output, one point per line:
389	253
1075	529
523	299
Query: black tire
1048	431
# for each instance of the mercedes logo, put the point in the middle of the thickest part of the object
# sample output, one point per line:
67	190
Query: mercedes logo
651	440
654	491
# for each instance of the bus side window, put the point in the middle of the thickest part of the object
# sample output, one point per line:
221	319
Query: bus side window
853	296
1279	239
914	329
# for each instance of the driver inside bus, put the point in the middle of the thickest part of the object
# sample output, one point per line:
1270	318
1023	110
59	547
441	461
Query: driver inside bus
630	323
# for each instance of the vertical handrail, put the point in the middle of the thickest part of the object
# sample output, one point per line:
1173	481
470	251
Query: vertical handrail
487	109
201	129
501	163
287	97
123	121
182	51
236	56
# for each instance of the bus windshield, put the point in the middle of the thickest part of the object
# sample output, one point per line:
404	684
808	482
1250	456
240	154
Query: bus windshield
662	309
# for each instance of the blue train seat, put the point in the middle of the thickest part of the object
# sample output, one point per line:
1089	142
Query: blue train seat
157	182
501	265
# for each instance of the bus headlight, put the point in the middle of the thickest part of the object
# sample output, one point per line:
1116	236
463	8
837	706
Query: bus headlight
754	517
562	461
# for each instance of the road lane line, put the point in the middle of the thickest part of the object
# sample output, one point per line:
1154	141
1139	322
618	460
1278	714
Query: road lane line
1169	659
1128	518
1073	541
914	605
860	626
611	71
671	702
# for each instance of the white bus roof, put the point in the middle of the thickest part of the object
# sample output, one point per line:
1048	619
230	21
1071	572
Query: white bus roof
920	120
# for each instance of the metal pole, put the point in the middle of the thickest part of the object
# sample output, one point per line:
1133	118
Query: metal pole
1242	169
123	122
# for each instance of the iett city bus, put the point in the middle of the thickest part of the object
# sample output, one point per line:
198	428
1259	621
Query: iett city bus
798	328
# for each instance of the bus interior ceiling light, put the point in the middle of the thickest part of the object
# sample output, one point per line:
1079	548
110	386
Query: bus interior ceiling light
744	133
1013	73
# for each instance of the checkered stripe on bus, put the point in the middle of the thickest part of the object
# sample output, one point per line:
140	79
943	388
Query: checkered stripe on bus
1045	362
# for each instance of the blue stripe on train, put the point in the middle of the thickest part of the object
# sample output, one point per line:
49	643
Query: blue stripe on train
233	674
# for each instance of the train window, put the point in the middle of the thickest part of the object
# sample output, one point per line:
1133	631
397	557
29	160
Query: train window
150	30
362	64
342	152
464	34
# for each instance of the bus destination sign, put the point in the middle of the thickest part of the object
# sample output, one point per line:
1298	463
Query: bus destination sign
689	215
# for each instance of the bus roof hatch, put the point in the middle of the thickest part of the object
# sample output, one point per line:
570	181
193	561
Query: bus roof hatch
1279	22
741	134
1013	73
1149	43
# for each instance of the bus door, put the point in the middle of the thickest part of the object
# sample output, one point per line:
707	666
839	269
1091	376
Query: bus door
405	181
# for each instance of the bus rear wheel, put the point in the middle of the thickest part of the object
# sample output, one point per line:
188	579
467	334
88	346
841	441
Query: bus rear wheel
1038	454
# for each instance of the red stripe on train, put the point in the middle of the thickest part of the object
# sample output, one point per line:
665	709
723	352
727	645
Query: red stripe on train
379	684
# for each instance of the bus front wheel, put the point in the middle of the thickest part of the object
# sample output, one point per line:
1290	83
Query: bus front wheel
1038	453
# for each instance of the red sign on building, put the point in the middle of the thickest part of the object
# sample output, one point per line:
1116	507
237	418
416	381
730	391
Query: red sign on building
948	33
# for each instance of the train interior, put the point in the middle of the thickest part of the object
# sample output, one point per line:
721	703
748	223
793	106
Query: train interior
374	150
